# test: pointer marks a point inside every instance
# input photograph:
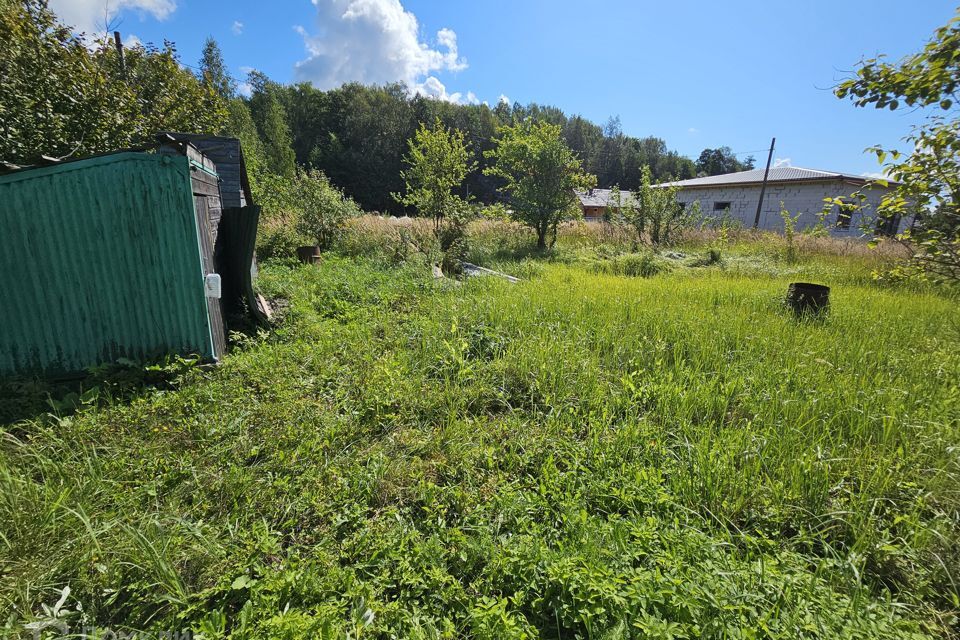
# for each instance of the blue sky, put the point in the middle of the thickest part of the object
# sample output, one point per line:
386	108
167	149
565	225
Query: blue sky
697	74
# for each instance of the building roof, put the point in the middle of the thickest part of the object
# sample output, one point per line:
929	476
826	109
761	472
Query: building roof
227	156
777	175
600	197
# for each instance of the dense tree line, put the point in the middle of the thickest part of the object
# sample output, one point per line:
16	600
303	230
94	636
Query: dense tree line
358	134
61	97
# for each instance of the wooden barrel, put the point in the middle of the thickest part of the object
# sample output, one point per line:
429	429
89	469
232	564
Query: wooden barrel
309	254
806	298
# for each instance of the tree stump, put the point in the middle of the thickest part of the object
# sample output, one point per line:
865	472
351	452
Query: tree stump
309	254
807	299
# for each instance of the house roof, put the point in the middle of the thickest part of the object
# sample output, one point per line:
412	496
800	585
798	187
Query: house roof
600	197
777	175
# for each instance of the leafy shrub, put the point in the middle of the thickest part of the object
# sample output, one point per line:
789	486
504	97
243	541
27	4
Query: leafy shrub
653	214
322	209
279	240
496	212
790	253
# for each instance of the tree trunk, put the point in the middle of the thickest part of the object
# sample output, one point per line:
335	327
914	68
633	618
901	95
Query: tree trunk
542	228
541	238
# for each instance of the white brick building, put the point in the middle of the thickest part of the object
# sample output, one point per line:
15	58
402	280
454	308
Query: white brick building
802	191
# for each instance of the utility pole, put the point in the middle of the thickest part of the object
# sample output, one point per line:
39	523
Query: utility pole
763	189
119	44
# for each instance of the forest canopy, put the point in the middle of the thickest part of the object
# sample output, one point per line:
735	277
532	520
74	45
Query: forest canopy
62	97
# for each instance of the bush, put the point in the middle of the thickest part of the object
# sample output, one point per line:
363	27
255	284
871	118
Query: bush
322	208
279	240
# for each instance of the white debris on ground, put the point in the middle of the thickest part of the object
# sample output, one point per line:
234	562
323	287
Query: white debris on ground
471	270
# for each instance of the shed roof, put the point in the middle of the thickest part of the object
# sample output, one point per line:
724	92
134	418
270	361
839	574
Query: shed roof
227	155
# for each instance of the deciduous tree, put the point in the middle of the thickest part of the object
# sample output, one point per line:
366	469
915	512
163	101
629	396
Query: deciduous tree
928	178
541	176
653	213
60	98
437	162
714	162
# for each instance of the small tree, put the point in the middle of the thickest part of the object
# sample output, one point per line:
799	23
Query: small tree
654	212
541	176
929	177
789	233
438	160
322	209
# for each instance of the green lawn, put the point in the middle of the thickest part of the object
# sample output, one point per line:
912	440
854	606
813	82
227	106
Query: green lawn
581	455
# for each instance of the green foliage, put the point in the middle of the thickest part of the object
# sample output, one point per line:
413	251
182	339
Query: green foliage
789	233
273	127
322	209
304	210
540	174
240	125
358	135
721	160
59	98
214	73
644	265
653	213
578	455
928	177
437	162
280	240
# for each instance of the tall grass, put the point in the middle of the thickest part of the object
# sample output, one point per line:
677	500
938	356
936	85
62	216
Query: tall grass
578	455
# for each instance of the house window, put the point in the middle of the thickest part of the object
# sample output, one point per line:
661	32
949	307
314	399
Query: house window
721	206
888	226
844	217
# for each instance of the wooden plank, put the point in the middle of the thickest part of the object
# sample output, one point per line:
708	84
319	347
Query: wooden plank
202	187
214	306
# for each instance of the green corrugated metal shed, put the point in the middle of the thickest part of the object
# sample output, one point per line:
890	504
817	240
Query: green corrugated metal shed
100	259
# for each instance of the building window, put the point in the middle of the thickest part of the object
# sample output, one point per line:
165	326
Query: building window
844	218
888	226
721	206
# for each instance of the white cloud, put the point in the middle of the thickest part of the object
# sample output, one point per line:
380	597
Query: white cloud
245	89
237	27
91	16
375	42
876	175
693	130
433	88
504	98
782	162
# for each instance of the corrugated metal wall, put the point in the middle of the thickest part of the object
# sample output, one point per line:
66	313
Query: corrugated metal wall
100	259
